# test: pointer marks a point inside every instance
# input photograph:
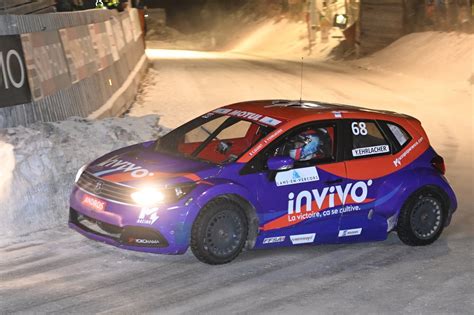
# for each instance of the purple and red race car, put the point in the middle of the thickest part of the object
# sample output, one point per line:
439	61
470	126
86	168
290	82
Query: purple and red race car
267	174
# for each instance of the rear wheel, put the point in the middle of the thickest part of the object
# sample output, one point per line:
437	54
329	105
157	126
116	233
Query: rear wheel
421	220
219	232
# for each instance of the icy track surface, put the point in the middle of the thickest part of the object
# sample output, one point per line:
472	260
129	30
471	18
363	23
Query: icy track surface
58	271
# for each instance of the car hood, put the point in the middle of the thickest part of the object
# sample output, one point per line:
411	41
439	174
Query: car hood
139	164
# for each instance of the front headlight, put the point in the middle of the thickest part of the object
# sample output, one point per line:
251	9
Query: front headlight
150	196
79	172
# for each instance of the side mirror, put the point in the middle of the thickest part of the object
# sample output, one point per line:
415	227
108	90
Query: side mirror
280	163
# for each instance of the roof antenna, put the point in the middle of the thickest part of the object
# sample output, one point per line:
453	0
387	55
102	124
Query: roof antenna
301	81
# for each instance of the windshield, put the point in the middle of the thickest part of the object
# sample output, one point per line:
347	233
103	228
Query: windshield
213	138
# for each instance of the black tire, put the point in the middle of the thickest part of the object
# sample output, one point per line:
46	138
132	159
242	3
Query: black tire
421	219
219	232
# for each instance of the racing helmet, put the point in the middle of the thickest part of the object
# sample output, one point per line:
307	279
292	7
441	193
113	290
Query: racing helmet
305	146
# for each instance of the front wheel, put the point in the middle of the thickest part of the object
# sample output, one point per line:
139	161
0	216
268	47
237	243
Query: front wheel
219	232
421	220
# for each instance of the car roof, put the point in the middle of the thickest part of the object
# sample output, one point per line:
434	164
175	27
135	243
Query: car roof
312	110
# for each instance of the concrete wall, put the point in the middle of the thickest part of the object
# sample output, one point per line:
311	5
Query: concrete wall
53	66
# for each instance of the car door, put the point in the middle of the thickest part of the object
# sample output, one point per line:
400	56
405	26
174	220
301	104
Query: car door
300	205
367	151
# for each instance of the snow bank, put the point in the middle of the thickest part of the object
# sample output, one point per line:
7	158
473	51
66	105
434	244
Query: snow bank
38	164
432	55
285	39
7	160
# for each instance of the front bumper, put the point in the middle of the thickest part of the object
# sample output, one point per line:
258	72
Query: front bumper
130	237
120	225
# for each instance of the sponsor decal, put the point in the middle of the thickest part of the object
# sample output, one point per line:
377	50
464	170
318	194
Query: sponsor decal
321	203
392	222
265	141
148	216
398	161
356	191
399	135
297	176
256	149
337	114
143	241
245	115
273	135
310	204
205	116
116	164
350	232
302	238
371	150
222	111
271	240
93	203
248	115
270	121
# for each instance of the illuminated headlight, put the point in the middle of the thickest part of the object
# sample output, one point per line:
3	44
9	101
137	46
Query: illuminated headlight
150	196
79	172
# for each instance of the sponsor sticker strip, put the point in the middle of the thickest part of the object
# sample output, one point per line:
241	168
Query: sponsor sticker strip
398	161
271	240
350	232
248	115
371	150
302	238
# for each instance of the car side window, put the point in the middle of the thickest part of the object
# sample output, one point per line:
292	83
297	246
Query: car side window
367	139
309	145
399	134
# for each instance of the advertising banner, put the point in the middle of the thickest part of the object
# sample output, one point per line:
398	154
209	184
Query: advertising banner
45	63
79	50
14	87
102	46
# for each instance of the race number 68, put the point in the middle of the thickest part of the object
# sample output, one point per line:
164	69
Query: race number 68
359	128
6	69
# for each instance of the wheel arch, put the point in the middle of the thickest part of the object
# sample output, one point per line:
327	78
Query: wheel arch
437	191
239	195
252	218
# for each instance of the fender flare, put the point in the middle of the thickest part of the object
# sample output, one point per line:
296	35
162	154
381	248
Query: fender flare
235	192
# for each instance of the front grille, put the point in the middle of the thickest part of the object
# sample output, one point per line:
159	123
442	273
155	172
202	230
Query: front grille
105	189
129	235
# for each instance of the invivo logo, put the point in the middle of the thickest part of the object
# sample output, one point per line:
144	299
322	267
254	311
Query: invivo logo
357	191
119	165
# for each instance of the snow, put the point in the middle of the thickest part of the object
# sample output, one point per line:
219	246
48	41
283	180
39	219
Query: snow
6	171
436	56
428	75
38	174
286	39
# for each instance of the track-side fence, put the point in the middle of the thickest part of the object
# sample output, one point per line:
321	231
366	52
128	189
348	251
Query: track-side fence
58	65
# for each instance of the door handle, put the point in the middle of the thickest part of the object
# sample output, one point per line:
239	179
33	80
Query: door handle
339	180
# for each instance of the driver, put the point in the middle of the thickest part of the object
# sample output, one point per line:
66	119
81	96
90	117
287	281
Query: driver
308	145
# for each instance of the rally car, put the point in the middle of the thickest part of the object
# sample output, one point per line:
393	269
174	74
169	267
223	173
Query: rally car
266	174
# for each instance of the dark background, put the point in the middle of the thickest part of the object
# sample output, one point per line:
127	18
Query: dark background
189	16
